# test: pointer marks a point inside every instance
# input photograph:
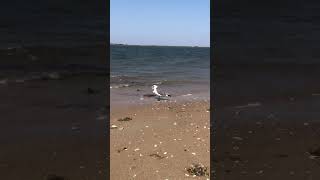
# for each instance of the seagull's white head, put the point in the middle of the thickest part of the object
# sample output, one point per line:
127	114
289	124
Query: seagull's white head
154	86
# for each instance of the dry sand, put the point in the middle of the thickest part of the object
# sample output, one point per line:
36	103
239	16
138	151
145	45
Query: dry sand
161	140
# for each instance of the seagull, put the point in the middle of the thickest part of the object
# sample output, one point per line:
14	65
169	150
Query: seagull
159	96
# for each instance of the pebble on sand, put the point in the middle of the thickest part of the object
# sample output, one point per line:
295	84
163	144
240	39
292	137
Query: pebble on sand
114	126
55	177
54	76
237	138
260	172
4	81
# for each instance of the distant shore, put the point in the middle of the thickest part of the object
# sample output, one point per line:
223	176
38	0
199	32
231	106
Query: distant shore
119	44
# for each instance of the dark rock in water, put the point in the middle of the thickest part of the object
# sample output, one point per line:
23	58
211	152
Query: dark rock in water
198	170
138	90
55	177
125	119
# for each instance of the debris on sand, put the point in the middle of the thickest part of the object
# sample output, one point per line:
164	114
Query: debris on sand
234	157
259	172
197	170
32	57
187	95
4	81
50	76
235	148
125	119
281	155
249	105
114	126
291	98
157	156
123	149
314	153
102	117
19	80
55	177
54	76
91	91
75	127
227	171
237	138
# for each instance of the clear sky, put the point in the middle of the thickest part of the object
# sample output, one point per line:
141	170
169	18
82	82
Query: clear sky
160	22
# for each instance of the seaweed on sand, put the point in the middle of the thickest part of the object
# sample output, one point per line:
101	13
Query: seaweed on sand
198	170
125	119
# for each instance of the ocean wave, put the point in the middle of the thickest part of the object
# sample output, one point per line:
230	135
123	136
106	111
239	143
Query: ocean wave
117	82
119	86
12	78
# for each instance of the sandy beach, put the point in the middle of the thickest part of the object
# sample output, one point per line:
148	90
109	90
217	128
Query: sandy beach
160	140
267	123
166	139
53	129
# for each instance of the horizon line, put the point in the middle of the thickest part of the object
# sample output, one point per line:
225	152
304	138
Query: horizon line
157	45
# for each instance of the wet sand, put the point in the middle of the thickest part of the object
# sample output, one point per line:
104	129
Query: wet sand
267	123
53	127
160	140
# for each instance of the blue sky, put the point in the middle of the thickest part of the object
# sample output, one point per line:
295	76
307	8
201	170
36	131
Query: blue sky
160	22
